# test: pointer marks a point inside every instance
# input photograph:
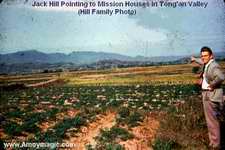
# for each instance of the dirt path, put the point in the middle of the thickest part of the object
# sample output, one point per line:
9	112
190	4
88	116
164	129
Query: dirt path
88	133
144	134
44	83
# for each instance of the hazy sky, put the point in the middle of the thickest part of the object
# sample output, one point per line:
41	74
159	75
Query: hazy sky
153	31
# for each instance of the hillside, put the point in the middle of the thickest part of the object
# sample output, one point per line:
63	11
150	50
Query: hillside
76	57
34	56
36	61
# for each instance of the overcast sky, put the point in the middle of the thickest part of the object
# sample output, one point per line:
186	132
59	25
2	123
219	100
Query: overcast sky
157	31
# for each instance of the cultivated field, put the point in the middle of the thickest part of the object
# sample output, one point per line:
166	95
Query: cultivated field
132	108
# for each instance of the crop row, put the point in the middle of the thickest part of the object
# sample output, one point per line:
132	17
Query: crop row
23	110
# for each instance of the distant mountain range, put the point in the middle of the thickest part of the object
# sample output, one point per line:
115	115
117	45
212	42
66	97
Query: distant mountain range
79	57
36	61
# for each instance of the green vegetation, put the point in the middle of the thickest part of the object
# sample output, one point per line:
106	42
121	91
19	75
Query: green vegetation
57	133
164	145
131	102
42	114
129	117
106	147
184	127
108	138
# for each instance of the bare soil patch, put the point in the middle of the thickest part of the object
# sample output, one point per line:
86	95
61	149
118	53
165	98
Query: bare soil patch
87	134
144	134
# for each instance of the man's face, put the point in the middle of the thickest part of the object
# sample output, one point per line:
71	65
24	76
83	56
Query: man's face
205	56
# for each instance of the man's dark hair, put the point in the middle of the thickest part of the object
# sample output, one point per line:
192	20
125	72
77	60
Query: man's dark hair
206	49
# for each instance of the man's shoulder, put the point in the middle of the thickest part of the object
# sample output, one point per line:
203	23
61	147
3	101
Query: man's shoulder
214	64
